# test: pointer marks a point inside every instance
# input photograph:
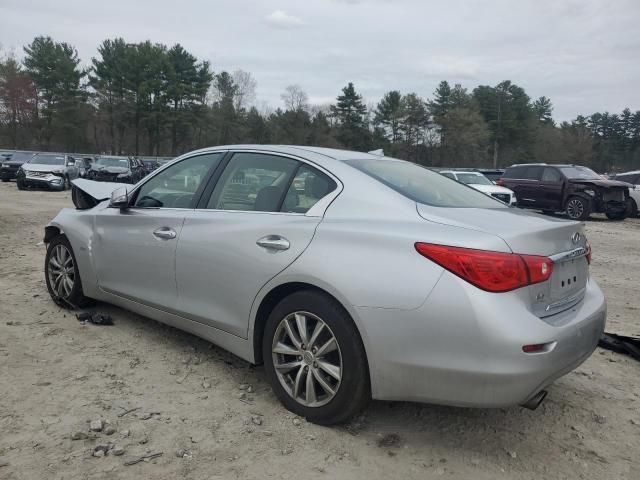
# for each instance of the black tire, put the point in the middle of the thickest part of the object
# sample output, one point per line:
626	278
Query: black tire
632	208
578	208
353	392
5	179
74	298
20	184
67	184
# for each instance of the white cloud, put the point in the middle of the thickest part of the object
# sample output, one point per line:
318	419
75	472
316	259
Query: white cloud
281	19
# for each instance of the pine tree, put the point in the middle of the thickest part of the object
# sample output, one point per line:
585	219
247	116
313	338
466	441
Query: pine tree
388	115
350	113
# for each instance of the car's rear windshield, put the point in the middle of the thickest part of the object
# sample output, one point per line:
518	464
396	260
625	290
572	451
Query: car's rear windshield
423	185
48	160
580	173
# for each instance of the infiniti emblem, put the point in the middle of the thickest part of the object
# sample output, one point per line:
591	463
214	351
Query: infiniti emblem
575	238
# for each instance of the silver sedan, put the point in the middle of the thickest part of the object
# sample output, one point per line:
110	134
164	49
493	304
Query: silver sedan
350	276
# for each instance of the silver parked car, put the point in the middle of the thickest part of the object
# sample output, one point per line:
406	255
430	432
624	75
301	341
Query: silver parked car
349	275
50	170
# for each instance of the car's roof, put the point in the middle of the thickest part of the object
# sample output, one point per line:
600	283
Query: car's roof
632	172
329	153
544	165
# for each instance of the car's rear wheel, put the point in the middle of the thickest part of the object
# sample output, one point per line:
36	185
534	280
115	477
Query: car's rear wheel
314	358
62	274
578	208
632	208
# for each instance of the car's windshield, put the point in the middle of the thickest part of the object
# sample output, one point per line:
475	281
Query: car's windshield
112	162
48	160
21	157
423	185
473	179
580	173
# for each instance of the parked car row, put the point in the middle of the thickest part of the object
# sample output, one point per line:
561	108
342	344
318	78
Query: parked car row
574	190
56	170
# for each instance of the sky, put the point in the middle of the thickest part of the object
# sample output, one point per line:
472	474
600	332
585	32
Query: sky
583	54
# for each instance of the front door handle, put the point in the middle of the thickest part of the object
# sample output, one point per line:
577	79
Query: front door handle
274	242
165	233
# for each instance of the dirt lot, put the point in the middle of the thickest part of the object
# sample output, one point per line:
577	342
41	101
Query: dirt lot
191	398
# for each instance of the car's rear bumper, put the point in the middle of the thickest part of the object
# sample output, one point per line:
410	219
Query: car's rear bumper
464	346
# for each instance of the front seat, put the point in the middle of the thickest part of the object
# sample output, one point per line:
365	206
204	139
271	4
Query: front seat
268	199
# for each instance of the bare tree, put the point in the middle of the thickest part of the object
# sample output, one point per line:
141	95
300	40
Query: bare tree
246	89
295	98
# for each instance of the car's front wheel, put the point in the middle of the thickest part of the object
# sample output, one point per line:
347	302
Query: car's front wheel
62	274
20	184
578	208
314	358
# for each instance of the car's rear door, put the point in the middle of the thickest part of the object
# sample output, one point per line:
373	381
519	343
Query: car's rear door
550	189
135	248
253	221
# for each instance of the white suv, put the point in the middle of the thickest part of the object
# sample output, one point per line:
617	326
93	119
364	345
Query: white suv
478	181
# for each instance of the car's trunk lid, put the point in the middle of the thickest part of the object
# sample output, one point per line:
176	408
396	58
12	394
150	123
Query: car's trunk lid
530	234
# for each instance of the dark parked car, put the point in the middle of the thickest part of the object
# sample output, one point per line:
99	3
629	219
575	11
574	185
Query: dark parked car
50	170
10	166
493	174
116	169
578	191
150	164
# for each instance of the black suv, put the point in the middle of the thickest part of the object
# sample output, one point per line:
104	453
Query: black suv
576	190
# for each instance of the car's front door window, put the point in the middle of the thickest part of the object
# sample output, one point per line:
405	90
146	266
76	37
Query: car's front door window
176	186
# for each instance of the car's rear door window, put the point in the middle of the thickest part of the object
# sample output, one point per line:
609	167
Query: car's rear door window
253	182
423	185
309	185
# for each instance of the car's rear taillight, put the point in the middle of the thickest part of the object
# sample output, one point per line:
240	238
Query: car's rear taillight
490	271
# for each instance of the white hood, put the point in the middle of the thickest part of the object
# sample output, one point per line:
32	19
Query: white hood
489	189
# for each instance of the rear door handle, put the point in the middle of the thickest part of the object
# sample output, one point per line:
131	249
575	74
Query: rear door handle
273	242
165	233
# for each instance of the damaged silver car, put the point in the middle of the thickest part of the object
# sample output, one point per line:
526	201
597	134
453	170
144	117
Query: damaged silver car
350	276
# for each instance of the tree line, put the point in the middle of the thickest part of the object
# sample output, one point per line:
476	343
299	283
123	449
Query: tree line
150	99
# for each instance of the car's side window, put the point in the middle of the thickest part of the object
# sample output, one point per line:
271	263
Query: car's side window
176	186
307	188
253	182
551	175
533	173
449	175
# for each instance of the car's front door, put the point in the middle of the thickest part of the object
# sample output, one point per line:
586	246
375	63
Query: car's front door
135	248
255	223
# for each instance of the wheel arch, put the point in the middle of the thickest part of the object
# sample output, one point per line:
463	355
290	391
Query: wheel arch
50	232
270	297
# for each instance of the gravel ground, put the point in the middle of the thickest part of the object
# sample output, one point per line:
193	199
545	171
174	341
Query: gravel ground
151	389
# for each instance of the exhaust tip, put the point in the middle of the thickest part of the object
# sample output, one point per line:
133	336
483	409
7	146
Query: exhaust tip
535	401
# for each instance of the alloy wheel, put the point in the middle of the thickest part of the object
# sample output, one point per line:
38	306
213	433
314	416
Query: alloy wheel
307	359
575	208
61	271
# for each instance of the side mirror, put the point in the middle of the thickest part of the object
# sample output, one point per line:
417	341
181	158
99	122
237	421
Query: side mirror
71	163
120	198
